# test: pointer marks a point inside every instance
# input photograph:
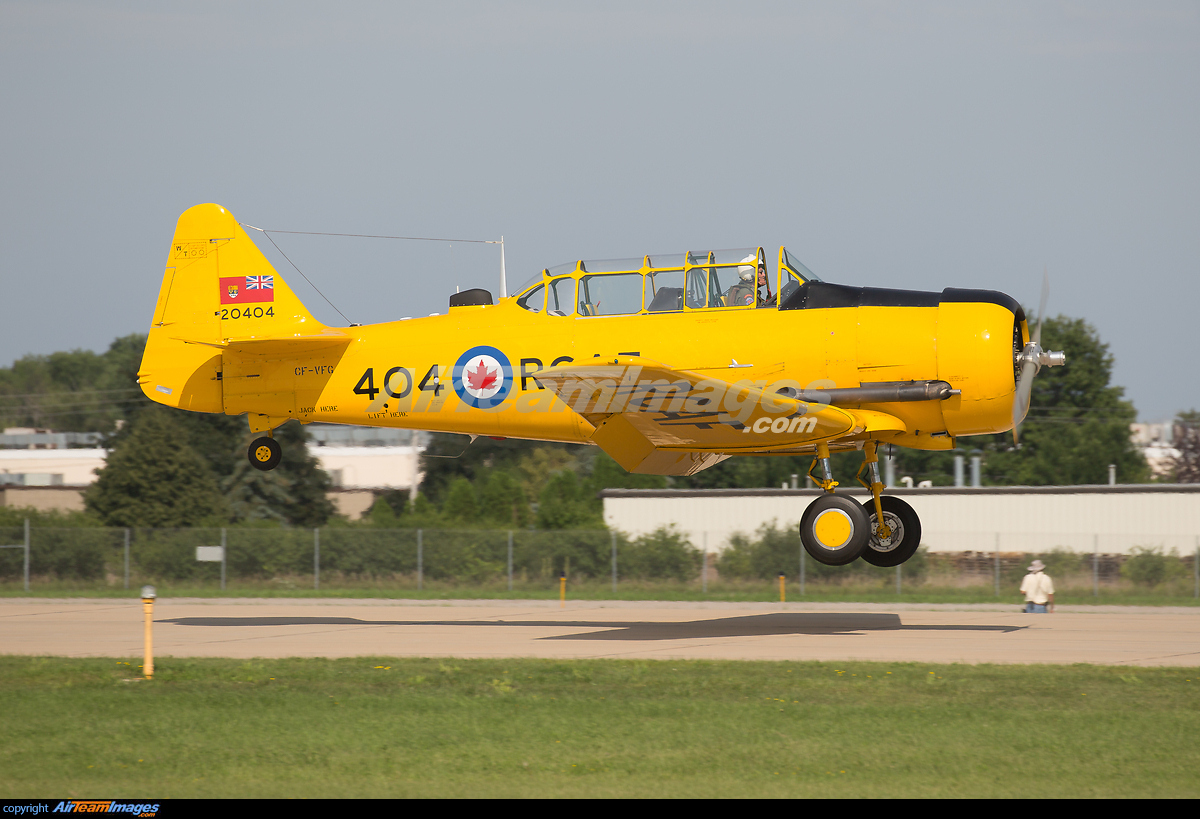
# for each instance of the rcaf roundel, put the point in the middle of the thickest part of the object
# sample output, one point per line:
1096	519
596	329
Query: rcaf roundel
483	377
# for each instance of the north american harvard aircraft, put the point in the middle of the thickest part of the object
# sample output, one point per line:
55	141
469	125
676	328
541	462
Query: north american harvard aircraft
668	363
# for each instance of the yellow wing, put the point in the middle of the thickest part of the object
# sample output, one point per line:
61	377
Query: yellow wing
652	418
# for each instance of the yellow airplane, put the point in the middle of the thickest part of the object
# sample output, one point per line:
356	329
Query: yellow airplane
670	364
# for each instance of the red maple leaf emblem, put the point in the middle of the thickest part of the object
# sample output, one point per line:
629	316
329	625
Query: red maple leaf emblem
481	378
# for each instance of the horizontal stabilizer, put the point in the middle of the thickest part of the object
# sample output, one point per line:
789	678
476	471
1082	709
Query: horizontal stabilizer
284	345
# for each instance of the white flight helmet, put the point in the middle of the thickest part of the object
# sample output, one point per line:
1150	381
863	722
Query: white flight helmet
748	268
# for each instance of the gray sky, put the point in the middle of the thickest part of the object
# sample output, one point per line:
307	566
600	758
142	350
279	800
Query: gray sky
917	145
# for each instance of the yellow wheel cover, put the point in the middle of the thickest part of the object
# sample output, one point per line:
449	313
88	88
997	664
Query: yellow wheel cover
833	529
263	454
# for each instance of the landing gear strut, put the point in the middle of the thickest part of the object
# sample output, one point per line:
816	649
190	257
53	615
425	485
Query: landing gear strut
895	527
903	533
265	453
835	530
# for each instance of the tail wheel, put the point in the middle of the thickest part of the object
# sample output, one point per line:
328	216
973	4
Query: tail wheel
903	538
265	454
834	530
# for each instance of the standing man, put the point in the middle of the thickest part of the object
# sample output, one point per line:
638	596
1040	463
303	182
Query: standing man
1038	589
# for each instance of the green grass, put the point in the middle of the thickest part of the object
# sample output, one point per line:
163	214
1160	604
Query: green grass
1124	593
386	727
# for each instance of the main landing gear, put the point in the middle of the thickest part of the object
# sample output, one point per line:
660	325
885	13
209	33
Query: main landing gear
836	530
265	453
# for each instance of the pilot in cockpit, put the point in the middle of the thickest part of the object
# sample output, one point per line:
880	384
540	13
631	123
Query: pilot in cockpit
743	293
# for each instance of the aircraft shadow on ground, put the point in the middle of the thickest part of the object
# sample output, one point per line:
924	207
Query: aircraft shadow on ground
755	625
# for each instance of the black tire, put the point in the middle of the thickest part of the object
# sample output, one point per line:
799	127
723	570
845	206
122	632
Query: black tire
905	538
264	454
836	540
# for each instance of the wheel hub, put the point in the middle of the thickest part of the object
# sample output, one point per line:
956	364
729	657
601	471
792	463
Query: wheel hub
895	536
833	528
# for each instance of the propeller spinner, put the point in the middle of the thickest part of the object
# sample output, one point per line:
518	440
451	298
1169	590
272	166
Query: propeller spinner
1032	359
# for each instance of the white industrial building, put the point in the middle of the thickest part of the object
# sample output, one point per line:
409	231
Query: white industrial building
1156	441
49	470
1104	519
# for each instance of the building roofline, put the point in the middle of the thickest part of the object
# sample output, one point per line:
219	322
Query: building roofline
1082	489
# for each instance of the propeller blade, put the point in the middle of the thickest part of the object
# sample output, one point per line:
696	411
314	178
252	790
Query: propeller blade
1033	358
1037	334
1022	396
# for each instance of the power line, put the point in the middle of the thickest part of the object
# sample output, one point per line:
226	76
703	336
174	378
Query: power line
52	414
67	409
84	392
1084	409
66	401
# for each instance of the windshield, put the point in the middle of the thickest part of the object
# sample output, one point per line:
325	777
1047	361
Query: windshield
802	272
536	279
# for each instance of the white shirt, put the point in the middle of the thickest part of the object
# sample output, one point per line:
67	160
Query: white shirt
1037	588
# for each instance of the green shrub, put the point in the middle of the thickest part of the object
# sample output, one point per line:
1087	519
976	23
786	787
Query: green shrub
665	554
736	561
584	553
1150	566
368	552
170	554
774	550
268	551
75	553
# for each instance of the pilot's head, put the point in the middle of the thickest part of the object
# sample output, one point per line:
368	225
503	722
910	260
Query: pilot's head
746	268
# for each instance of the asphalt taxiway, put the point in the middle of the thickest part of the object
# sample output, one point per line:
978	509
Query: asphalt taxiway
244	628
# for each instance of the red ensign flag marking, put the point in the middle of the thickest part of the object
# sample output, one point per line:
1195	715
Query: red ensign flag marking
247	289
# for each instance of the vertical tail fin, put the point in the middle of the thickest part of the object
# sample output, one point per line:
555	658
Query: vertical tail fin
218	287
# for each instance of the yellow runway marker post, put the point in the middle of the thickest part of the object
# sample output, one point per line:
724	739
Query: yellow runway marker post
148	595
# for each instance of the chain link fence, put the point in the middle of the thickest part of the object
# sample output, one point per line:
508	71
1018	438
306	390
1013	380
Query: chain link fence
129	557
333	558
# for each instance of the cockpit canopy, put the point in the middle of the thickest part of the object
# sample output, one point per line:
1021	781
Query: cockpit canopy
735	278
